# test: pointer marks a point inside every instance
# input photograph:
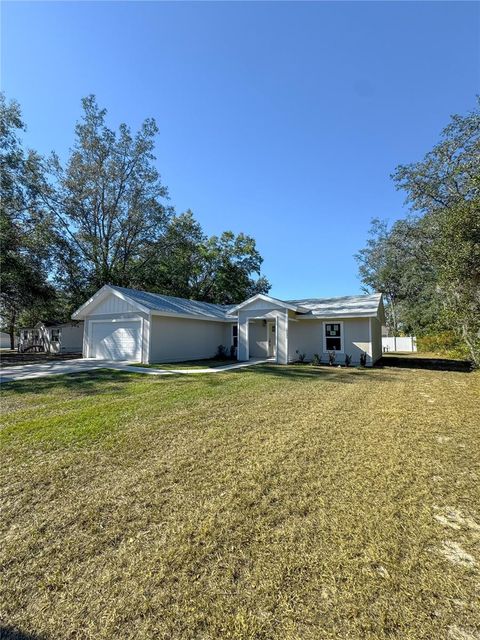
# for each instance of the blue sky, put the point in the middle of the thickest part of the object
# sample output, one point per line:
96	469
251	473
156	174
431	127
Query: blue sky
283	120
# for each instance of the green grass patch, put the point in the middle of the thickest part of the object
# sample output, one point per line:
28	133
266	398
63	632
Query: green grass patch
278	503
211	363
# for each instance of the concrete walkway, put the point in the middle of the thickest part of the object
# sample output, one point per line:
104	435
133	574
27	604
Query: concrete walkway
62	367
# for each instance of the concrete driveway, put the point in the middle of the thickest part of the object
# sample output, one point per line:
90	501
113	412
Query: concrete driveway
61	367
52	367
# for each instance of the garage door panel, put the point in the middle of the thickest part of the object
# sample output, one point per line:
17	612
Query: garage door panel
117	340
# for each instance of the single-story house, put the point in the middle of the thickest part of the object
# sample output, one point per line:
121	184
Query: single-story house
53	337
5	340
132	325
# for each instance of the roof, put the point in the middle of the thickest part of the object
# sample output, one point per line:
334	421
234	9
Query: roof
261	296
157	302
346	306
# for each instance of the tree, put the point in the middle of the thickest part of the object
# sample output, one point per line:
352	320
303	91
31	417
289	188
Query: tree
456	256
108	201
191	265
430	259
25	228
379	269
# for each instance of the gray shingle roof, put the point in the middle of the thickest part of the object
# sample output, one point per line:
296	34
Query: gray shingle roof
170	304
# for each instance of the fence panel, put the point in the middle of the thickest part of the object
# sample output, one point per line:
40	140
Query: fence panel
404	343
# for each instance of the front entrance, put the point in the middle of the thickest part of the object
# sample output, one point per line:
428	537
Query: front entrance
272	340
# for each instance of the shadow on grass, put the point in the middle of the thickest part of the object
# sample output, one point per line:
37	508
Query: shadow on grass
432	364
9	633
95	382
348	375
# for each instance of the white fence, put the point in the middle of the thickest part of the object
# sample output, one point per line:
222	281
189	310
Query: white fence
407	343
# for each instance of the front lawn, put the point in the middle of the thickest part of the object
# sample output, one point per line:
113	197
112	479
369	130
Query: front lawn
270	503
210	363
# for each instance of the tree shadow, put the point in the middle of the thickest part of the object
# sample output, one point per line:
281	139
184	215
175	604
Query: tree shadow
83	383
431	364
347	375
9	633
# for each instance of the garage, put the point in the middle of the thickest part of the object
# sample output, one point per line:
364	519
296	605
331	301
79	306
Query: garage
119	340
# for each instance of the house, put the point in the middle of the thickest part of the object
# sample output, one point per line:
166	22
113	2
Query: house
127	324
4	340
53	337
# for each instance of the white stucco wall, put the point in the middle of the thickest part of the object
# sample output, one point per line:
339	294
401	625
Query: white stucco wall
71	339
307	337
177	339
258	336
267	312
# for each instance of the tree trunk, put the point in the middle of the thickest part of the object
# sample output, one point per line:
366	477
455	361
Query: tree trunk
11	330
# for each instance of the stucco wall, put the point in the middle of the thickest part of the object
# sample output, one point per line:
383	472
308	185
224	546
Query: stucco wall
258	339
71	339
177	339
307	337
268	313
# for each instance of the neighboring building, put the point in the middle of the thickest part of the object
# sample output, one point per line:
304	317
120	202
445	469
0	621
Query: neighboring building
126	324
53	337
4	340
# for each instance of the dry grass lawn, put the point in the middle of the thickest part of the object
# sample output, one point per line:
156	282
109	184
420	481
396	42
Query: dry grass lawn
273	503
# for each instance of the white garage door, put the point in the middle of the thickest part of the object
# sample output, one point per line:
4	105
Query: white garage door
117	340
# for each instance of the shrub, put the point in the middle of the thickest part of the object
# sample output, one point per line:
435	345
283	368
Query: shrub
301	356
233	352
443	343
221	352
363	359
332	356
348	360
316	360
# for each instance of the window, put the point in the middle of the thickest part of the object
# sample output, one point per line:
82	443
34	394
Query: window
333	336
55	335
235	335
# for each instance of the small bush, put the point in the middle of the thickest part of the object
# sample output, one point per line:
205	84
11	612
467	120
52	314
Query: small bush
233	352
348	360
221	352
332	356
363	359
301	356
317	360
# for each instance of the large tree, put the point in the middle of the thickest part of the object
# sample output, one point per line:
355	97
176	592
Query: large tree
434	263
190	264
117	228
108	201
26	229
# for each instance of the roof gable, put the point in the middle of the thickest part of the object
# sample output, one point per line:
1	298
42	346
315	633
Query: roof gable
260	301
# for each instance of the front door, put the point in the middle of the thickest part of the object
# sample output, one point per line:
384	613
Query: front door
272	342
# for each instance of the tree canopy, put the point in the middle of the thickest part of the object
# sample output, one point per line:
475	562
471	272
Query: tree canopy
428	263
104	217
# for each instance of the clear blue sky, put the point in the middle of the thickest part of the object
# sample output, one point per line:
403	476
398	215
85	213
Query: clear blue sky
282	120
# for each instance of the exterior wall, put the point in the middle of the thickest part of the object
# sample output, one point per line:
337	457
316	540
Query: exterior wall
246	324
137	315
4	341
376	336
112	305
177	339
306	336
258	339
